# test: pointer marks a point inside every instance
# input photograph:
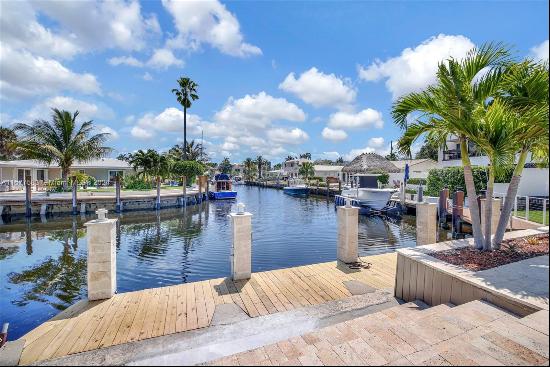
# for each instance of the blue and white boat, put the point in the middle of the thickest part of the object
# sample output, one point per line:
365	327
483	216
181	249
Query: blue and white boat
223	188
296	188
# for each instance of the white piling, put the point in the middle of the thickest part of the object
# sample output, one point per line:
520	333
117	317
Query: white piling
241	252
426	223
348	234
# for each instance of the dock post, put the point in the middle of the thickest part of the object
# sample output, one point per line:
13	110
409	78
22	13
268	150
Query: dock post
117	194
200	188
241	251
184	181
157	201
74	190
495	215
402	198
420	196
207	190
101	234
426	223
458	212
28	197
443	203
348	234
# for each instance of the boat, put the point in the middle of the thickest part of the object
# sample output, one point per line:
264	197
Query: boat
366	194
223	188
296	188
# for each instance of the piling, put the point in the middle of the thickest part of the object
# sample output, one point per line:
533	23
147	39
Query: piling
157	202
28	197
101	234
118	206
184	181
443	203
348	234
241	252
74	191
426	223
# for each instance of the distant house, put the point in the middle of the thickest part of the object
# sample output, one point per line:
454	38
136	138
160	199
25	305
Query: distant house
368	163
104	169
418	168
291	167
325	171
237	169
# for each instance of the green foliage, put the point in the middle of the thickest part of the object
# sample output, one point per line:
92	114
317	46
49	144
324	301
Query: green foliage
453	179
278	166
150	163
383	178
136	182
8	140
81	178
307	170
417	181
189	169
428	151
225	166
249	169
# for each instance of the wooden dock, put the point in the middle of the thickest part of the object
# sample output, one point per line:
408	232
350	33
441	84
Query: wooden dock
150	313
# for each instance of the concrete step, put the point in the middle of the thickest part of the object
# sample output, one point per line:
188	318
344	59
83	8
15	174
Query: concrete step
537	321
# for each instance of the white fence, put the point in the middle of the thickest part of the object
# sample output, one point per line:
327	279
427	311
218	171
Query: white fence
534	209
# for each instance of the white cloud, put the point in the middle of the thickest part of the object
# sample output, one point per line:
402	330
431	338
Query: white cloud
376	142
147	76
126	60
287	136
209	22
87	110
163	58
24	74
258	111
355	152
539	52
362	119
334	134
170	120
103	129
330	155
320	89
415	68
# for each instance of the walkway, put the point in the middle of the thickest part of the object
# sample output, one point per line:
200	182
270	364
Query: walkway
156	312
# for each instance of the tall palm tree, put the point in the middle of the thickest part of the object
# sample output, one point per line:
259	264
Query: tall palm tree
305	156
8	140
152	164
249	169
186	94
61	141
307	170
260	161
447	108
195	152
525	90
289	158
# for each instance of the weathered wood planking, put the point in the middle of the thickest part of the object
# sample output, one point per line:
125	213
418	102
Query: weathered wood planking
155	312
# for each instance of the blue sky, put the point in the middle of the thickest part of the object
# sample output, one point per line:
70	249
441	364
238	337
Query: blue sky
275	78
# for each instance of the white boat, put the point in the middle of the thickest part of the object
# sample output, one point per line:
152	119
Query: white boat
376	199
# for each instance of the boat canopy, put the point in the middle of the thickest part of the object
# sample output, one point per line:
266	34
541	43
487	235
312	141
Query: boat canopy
222	177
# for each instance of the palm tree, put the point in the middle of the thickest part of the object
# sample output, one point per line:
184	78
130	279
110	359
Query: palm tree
186	94
289	158
307	170
448	108
249	169
152	164
61	141
306	156
260	161
8	140
195	152
525	90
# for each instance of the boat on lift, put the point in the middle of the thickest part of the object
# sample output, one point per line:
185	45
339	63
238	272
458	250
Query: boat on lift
366	194
223	188
296	187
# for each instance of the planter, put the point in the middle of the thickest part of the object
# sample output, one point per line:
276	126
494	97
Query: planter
520	287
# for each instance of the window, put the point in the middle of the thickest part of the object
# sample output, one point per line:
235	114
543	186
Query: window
40	175
113	174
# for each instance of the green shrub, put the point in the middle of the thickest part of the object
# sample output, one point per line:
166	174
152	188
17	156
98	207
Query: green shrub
134	182
417	181
453	179
189	169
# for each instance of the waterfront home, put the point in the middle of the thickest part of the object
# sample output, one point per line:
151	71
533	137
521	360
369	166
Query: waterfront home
291	168
237	169
534	181
418	168
325	171
104	169
368	163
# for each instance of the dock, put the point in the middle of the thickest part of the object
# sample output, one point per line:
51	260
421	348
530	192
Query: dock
150	313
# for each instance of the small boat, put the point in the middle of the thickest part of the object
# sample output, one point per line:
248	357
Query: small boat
296	188
366	194
223	188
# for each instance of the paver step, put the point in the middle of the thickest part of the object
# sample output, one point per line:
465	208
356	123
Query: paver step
537	321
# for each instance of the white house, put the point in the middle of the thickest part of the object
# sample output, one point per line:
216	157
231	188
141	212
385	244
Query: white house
291	167
325	171
104	169
534	181
418	168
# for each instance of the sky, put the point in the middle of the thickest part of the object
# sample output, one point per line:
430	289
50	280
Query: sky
276	78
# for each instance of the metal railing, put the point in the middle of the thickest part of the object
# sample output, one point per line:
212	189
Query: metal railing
533	209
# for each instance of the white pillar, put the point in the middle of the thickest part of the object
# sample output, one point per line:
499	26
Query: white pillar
241	252
495	217
348	234
402	197
101	256
426	223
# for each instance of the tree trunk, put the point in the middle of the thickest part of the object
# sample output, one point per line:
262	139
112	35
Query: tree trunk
64	178
472	194
184	132
510	199
489	208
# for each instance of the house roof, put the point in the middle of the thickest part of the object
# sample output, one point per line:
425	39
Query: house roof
95	163
370	163
412	162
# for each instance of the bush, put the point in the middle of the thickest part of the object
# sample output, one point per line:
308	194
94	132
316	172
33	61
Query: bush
453	179
134	182
81	178
189	169
417	181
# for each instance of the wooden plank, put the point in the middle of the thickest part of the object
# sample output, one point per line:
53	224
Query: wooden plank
304	289
91	328
139	320
290	287
236	296
282	287
413	279
192	318
324	278
249	291
420	279
125	326
209	300
150	315
32	353
275	302
171	311
428	285
181	309
285	302
264	298
399	277
214	284
248	303
120	312
160	314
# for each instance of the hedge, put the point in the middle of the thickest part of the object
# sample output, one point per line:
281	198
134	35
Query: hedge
417	181
453	179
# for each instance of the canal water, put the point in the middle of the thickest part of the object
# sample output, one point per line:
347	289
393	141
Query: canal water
43	263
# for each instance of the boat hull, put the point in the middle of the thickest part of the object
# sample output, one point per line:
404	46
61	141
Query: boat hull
222	195
376	199
296	191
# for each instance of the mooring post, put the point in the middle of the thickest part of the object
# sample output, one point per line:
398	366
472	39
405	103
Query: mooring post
348	233
199	179
101	233
495	217
157	203
28	197
458	211
426	223
420	195
74	190
241	251
184	181
117	193
207	189
443	205
402	194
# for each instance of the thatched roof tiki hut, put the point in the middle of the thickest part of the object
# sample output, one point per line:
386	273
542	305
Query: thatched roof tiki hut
368	163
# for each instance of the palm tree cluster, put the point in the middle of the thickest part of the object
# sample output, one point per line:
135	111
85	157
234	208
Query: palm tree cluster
493	101
195	152
61	141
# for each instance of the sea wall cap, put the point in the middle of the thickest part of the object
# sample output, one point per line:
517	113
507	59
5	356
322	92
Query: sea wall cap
240	208
101	214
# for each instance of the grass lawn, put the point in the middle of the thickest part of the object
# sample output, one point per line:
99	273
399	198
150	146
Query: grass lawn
534	215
